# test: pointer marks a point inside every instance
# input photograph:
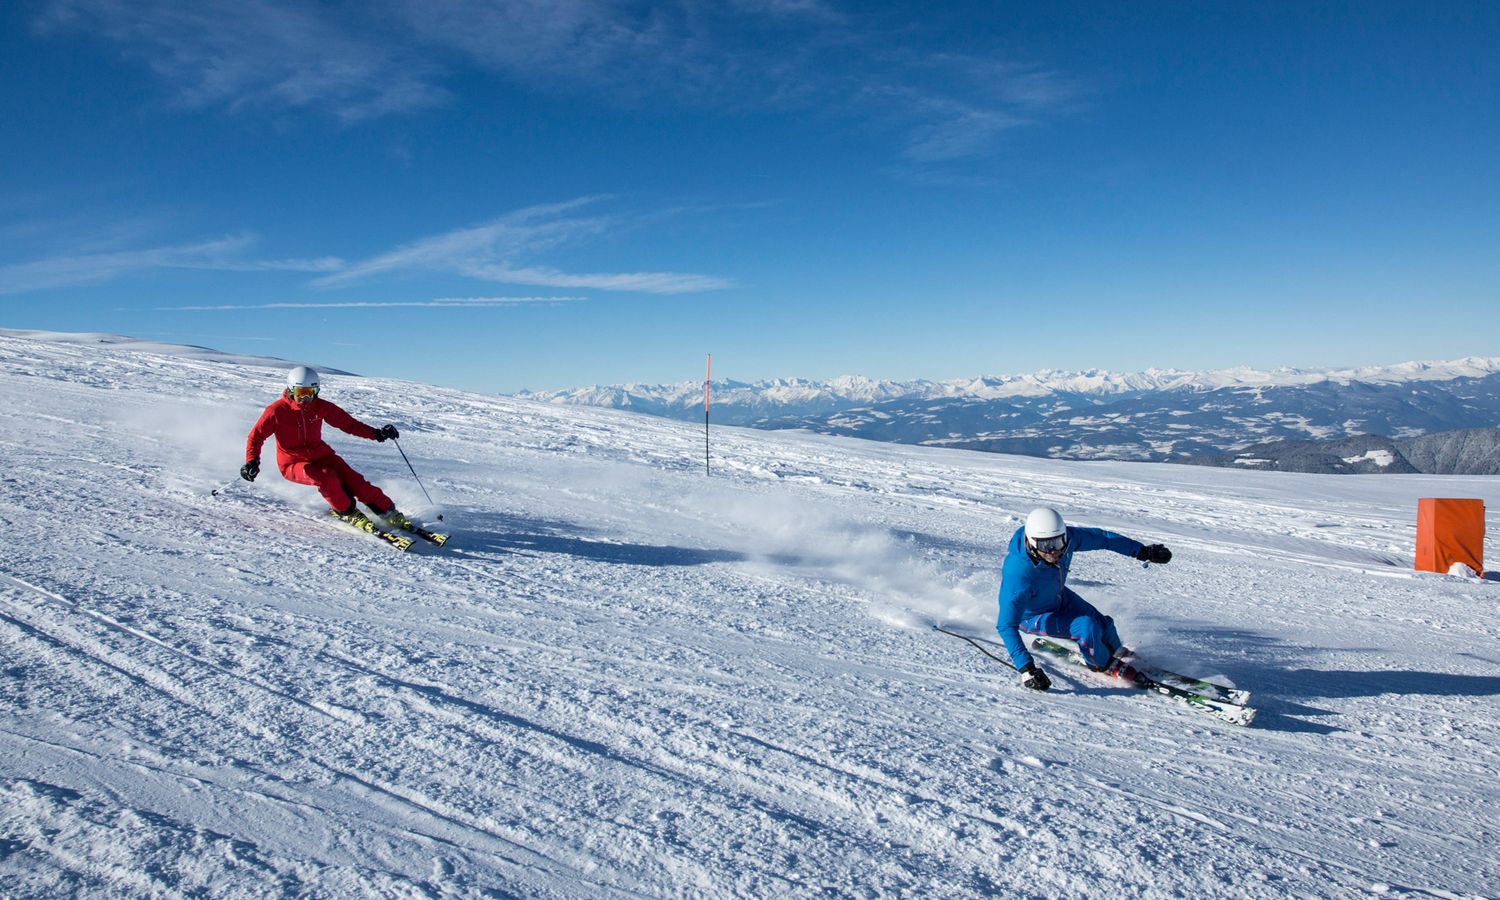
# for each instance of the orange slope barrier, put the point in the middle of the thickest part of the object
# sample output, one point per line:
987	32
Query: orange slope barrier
1449	531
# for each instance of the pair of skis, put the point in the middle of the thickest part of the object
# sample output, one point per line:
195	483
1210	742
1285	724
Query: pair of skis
394	536
1224	703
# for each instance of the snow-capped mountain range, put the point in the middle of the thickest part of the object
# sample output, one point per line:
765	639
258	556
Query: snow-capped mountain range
1158	414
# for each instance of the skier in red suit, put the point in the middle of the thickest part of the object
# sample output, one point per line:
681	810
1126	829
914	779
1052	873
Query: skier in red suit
304	457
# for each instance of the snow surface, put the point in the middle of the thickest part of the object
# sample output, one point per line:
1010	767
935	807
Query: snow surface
626	678
1380	458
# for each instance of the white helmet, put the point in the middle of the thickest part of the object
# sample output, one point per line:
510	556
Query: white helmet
1045	530
301	384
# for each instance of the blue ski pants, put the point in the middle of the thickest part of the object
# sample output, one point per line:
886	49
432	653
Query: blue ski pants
1077	620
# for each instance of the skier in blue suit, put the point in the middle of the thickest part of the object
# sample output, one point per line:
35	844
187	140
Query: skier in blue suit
1035	598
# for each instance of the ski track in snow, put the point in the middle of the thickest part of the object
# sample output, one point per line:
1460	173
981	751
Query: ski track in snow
627	679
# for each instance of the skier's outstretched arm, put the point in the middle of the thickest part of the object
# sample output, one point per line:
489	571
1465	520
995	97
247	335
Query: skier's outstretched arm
1084	539
1100	539
337	417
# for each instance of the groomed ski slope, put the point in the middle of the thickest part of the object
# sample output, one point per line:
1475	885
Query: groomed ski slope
629	679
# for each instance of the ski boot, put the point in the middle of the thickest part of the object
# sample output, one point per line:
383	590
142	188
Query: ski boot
395	519
1120	665
356	518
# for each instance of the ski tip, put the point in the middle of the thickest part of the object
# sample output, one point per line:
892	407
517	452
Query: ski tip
1242	717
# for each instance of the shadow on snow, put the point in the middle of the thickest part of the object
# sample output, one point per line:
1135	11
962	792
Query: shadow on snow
502	533
1284	692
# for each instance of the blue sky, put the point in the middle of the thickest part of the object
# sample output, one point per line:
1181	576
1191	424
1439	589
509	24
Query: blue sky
508	195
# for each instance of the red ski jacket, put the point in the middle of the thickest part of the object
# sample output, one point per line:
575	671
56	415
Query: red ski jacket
299	430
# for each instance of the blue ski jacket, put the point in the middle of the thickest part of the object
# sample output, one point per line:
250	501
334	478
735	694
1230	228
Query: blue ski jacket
1030	587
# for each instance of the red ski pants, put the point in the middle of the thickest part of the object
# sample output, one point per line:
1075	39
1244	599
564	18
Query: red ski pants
339	484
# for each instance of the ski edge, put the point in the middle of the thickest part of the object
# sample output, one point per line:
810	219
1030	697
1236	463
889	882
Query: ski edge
1236	696
1231	713
399	541
432	537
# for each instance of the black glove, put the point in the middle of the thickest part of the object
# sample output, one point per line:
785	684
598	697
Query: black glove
250	469
387	433
1154	553
1034	678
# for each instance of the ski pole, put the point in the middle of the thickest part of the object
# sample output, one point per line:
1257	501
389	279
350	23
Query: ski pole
222	488
975	644
414	475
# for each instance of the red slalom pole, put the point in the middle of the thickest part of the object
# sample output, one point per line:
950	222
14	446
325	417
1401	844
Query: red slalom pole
708	368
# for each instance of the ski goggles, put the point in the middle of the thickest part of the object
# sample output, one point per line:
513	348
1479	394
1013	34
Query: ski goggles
1050	544
302	393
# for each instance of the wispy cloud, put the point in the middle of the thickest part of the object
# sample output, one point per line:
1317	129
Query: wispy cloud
504	251
640	282
440	303
399	56
496	251
955	106
951	130
80	269
272	53
527	231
